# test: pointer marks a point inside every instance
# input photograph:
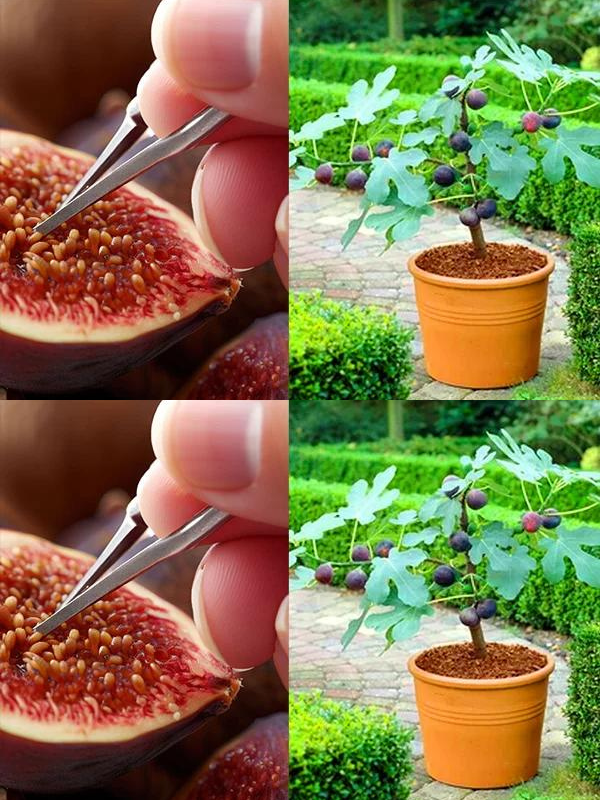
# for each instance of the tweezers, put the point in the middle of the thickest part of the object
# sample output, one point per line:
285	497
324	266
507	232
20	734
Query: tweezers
98	581
97	183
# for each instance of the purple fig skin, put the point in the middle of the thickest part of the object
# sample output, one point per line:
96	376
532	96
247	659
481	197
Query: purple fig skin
531	122
444	176
361	153
551	519
551	118
356	179
476	99
361	553
460	142
469	617
382	548
324	573
486	208
444	576
531	522
460	542
356	580
476	499
450	92
486	609
382	148
324	173
450	492
469	217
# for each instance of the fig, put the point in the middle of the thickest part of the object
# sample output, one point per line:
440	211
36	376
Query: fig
449	86
448	485
486	609
444	575
476	499
551	518
551	118
356	580
476	99
382	548
469	217
460	142
254	366
361	553
361	153
531	121
444	175
469	617
460	542
356	180
324	173
531	522
324	573
110	289
254	765
486	208
108	690
382	148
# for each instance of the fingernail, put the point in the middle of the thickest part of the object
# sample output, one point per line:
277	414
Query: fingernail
211	45
282	623
209	444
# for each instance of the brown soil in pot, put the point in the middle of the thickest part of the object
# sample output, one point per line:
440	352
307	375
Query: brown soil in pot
502	661
502	261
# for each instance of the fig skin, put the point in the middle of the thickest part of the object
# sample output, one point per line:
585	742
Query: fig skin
53	357
78	756
263	751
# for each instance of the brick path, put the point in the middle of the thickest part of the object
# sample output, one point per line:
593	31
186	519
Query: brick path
361	275
361	675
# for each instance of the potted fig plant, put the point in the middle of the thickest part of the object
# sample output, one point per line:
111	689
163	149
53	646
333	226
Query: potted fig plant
453	550
481	305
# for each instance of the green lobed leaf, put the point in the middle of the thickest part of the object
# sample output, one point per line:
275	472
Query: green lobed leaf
447	109
313	531
363	503
355	624
411	189
302	177
410	587
401	222
400	622
427	535
315	129
355	224
568	145
364	102
404	517
293	156
301	578
427	135
293	555
569	544
404	117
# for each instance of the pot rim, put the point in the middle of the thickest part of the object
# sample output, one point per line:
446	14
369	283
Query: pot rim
485	683
481	283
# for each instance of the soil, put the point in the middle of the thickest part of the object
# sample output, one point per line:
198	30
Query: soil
502	661
502	261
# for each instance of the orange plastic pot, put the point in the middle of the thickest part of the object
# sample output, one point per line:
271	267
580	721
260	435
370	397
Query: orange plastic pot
481	334
481	734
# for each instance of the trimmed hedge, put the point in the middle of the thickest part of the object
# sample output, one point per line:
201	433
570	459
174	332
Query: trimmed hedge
421	73
559	607
346	352
561	207
583	307
416	445
343	752
583	708
423	474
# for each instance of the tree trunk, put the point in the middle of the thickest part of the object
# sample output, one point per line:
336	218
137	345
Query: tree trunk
478	642
396	19
395	414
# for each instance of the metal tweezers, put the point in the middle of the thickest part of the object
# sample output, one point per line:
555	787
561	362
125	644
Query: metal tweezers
93	187
98	582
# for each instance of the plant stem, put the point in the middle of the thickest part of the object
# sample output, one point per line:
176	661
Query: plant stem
579	110
478	641
579	510
450	597
478	241
353	538
476	232
354	130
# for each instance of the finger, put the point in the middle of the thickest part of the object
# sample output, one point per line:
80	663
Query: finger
236	597
232	54
281	255
281	655
232	454
165	106
236	197
165	507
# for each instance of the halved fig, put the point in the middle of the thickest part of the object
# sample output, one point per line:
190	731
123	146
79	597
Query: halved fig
107	691
108	290
254	366
253	765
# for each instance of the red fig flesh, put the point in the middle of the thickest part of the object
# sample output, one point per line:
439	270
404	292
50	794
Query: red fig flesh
254	366
254	765
108	690
109	289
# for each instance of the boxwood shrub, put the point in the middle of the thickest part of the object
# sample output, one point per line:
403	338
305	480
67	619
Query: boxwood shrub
583	307
422	73
561	207
424	474
344	752
559	607
583	708
345	351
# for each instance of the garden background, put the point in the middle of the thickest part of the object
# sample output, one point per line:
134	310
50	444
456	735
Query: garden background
336	443
333	45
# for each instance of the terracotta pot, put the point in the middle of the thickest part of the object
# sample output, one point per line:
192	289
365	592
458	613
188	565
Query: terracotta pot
481	334
481	734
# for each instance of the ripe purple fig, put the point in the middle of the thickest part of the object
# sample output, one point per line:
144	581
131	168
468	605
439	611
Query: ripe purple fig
469	617
476	499
382	148
531	522
486	208
460	542
469	217
531	122
476	99
551	518
361	553
324	173
356	179
453	490
324	573
444	576
356	580
460	142
361	153
486	609
382	548
453	91
551	118
444	176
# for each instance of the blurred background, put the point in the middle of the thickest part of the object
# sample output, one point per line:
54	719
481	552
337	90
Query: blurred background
69	469
68	70
569	29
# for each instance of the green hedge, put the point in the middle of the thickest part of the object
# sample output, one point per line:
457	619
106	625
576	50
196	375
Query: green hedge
416	445
346	352
558	607
420	73
423	474
341	752
583	708
561	207
583	307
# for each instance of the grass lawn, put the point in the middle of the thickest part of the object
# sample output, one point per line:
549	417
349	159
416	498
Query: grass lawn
560	383
560	784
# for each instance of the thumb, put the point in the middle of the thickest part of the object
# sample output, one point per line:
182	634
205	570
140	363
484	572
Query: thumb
232	54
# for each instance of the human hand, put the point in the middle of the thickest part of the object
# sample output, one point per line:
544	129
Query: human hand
232	454
231	54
